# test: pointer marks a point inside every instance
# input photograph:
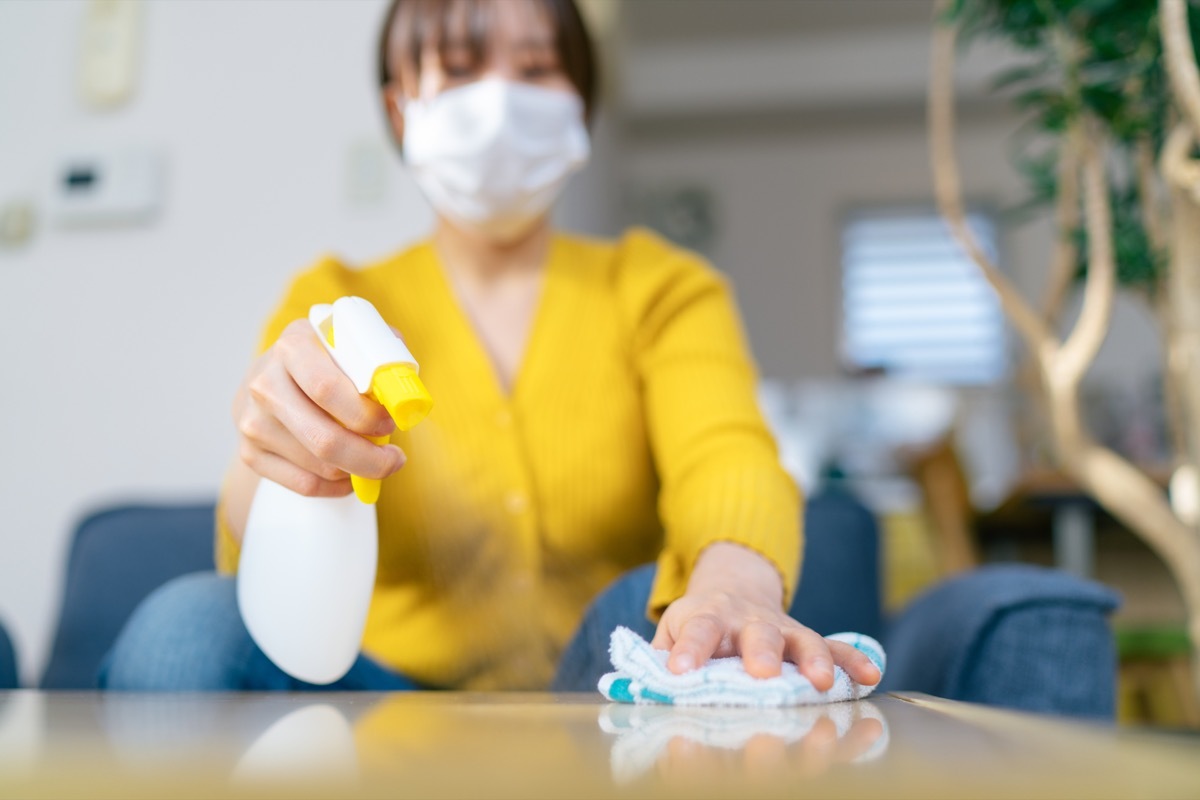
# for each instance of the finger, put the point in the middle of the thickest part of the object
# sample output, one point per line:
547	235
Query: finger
817	748
860	668
328	441
809	652
663	640
314	371
761	646
764	755
698	639
859	739
265	432
290	476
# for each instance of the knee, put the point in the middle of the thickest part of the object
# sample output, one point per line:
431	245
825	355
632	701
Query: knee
186	635
622	603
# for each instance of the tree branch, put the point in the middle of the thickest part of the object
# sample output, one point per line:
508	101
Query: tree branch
1066	219
1181	65
1081	346
948	191
1178	167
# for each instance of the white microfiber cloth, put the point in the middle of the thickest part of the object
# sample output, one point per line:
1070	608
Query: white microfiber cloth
642	676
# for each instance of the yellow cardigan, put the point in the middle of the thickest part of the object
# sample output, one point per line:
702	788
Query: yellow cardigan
631	433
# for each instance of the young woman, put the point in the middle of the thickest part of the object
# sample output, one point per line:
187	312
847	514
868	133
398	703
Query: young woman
594	411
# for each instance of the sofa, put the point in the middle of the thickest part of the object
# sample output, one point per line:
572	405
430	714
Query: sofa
1007	635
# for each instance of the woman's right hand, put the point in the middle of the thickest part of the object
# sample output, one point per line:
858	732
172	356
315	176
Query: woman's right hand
301	422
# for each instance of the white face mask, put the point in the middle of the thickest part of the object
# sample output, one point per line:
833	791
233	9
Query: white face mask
493	155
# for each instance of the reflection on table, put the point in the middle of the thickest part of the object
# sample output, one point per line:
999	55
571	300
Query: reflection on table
446	744
701	746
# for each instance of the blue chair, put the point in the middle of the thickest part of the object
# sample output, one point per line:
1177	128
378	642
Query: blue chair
1015	636
1010	635
8	662
117	557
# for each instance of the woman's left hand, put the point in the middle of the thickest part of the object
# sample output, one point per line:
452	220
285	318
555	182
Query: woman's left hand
734	606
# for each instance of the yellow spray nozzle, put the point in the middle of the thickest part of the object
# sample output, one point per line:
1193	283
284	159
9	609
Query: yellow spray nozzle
398	388
367	489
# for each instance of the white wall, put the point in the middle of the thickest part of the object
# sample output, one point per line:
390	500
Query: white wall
123	346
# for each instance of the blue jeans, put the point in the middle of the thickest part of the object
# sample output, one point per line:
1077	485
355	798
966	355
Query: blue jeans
189	636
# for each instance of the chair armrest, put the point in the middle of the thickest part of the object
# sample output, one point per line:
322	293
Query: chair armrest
1016	636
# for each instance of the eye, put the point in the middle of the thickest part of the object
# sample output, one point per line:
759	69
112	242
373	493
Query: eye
538	71
539	63
459	63
458	71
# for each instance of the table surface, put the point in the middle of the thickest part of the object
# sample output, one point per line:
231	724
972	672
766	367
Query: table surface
443	744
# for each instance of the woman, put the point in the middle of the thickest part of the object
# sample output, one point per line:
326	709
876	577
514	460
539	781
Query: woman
594	410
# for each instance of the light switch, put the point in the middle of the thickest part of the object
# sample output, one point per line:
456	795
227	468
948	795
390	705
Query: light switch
108	52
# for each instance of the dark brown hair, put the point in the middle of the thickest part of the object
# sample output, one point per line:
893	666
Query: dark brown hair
412	23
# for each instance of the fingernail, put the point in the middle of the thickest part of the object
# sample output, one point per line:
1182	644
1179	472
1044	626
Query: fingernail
401	459
685	661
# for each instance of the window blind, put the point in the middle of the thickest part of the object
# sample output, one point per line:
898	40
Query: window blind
914	304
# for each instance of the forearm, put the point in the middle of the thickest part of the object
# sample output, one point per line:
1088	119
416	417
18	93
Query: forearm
236	495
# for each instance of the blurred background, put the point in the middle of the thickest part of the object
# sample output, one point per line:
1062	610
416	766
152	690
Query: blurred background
783	139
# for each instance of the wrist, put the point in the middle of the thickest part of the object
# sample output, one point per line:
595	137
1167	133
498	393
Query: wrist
737	570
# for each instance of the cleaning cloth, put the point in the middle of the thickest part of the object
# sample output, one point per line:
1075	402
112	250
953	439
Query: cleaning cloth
641	676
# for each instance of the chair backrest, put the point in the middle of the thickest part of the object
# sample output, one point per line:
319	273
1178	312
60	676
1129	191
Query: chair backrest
8	662
118	556
839	586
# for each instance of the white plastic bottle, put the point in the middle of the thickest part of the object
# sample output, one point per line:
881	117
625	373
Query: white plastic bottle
307	567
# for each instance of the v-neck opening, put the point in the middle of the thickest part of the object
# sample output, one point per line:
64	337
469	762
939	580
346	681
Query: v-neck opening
475	339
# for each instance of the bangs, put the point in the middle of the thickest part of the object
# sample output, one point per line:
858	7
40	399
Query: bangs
458	28
449	25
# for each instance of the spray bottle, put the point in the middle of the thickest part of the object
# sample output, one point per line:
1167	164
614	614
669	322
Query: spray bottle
307	568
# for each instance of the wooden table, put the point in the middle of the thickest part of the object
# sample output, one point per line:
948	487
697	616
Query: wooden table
434	745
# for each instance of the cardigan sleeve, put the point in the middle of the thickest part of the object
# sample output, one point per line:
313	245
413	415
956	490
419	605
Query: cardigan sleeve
324	282
719	468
